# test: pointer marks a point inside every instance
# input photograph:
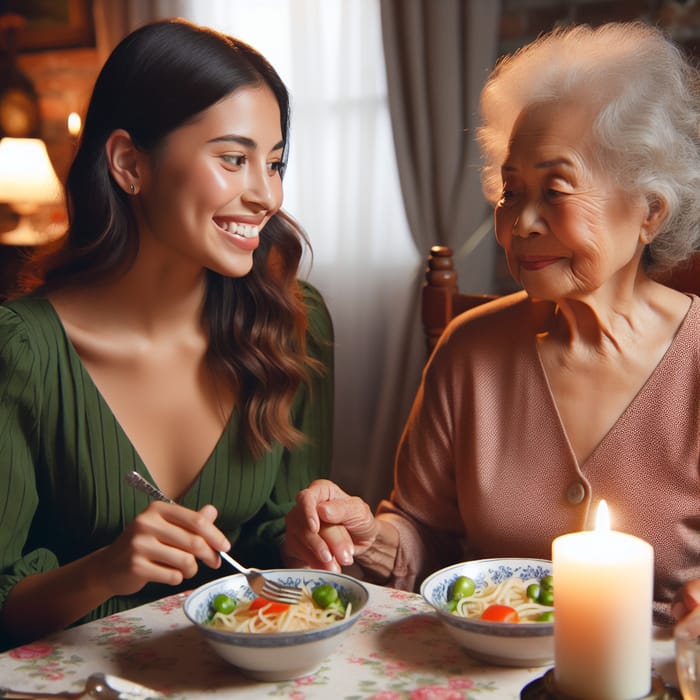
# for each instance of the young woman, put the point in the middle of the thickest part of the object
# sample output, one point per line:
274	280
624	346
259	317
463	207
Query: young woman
168	335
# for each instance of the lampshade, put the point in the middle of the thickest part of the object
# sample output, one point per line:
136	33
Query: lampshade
27	178
27	181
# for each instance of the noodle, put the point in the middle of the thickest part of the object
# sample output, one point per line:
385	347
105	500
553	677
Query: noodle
305	615
512	591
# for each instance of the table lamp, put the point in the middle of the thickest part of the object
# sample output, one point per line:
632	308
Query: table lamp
27	182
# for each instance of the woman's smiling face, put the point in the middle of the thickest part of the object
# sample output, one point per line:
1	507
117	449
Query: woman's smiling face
566	227
213	183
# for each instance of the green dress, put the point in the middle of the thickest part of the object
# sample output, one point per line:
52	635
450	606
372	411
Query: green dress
63	458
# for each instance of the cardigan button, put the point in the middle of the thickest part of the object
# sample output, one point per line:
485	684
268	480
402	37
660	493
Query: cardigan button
575	493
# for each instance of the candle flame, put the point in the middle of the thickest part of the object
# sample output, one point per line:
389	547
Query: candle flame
602	521
74	123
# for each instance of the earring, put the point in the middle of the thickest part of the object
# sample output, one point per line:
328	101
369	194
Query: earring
132	188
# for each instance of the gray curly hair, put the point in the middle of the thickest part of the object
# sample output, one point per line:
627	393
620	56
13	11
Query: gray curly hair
647	131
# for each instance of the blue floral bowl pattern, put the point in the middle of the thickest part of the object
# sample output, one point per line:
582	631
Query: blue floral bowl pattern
284	655
501	643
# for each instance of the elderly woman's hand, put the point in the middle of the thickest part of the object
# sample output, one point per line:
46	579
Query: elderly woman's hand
327	528
687	599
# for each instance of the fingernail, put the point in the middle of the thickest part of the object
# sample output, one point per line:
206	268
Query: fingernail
346	558
326	556
226	545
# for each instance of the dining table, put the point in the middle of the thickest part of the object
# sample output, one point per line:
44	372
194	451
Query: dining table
398	649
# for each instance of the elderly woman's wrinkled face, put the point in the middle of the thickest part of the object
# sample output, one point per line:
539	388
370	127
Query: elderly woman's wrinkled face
566	227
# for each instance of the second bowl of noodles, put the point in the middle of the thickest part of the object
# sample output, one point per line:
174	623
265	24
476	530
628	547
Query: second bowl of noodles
273	642
481	619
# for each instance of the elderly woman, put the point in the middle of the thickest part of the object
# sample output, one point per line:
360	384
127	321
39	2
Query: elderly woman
585	385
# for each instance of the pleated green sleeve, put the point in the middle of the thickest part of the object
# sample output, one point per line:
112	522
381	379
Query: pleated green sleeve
21	396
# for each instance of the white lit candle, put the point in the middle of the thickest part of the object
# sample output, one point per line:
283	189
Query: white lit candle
603	582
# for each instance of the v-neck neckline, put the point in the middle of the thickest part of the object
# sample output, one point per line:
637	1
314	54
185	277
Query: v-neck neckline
644	388
75	357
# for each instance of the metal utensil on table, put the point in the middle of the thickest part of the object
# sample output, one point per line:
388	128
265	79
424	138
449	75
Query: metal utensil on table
96	686
257	582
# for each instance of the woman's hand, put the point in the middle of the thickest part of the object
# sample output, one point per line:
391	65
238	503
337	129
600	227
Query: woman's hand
162	545
327	528
687	599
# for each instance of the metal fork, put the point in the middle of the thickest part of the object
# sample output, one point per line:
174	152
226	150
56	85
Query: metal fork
258	583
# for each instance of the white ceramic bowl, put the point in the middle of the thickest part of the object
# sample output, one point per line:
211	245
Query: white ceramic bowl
500	643
276	656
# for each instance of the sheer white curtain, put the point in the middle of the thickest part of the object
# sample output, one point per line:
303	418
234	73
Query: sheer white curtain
342	186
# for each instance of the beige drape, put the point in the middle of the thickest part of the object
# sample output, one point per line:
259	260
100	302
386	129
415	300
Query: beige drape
437	55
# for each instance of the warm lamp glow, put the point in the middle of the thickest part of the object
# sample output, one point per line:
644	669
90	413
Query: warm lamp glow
27	181
74	123
27	178
602	519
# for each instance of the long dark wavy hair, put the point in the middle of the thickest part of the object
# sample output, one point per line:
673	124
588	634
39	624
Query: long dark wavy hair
157	79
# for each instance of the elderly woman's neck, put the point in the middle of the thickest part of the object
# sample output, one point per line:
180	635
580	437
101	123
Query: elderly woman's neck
608	322
585	324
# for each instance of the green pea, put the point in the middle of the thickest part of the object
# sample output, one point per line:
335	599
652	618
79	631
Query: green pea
223	604
324	595
547	582
337	607
533	591
463	587
546	597
547	616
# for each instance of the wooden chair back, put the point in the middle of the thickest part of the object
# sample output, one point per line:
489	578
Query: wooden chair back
441	299
686	277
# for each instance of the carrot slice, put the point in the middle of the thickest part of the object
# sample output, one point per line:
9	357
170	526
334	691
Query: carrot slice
273	607
500	613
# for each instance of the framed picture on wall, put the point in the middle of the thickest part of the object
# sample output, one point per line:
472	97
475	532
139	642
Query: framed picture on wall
52	24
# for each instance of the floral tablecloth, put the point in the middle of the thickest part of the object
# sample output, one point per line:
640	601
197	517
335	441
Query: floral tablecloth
397	650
